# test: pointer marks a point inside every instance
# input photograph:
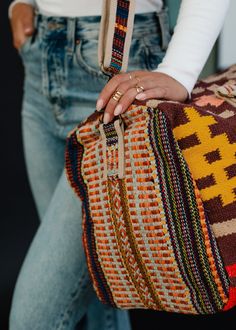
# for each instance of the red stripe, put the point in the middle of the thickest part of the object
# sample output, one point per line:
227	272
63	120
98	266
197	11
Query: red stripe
231	269
232	299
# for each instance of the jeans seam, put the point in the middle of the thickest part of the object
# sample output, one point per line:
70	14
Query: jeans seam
109	324
66	315
108	320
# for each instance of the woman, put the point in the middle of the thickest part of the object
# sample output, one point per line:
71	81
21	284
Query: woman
63	85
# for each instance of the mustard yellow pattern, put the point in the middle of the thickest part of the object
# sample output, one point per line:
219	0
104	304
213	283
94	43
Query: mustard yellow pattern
196	156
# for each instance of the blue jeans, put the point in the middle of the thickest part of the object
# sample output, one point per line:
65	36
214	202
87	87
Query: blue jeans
61	86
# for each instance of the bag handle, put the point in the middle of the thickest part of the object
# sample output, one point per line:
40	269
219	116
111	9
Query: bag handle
115	35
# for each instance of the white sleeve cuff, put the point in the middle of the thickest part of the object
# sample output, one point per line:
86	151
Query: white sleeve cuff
28	2
198	26
182	77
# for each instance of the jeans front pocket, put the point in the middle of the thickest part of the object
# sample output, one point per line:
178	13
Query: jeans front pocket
153	51
25	47
87	57
146	52
29	49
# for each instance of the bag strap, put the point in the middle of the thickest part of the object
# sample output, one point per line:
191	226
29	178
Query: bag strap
115	35
116	28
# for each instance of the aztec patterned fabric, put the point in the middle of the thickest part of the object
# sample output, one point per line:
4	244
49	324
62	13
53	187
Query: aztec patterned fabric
158	189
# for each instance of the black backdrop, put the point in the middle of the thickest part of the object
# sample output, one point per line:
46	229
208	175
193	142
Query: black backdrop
18	216
19	220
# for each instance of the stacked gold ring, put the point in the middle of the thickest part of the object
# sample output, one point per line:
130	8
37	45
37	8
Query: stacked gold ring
139	88
117	95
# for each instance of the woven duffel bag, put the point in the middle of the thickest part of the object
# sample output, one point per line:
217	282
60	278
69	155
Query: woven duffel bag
158	191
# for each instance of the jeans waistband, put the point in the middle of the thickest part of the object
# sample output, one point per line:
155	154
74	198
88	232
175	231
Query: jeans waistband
87	27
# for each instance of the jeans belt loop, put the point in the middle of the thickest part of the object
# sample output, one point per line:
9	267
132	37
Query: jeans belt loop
163	19
71	34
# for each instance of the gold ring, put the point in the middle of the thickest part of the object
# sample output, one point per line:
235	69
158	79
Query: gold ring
139	88
134	77
117	95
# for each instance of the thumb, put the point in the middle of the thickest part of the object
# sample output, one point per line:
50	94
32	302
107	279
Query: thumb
19	35
23	14
29	30
22	23
28	24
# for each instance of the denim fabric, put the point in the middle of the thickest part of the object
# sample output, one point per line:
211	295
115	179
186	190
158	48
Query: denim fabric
61	86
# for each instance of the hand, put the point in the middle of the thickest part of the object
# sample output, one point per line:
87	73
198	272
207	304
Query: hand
140	85
22	23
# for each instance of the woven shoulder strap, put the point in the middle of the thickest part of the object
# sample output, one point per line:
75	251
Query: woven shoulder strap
115	35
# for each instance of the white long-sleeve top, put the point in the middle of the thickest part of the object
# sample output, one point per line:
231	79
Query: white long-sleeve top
72	8
198	26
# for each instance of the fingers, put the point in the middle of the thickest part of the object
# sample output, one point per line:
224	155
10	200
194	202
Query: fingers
22	23
121	91
19	36
115	108
121	82
158	93
110	89
162	86
117	95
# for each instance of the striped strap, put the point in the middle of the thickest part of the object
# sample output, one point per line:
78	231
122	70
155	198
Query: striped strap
115	35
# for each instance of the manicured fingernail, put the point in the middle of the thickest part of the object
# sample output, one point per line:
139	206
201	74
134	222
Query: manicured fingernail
99	105
118	110
106	118
141	96
28	30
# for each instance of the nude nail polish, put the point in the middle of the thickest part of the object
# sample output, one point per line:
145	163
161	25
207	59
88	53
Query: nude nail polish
118	110
106	118
99	105
140	96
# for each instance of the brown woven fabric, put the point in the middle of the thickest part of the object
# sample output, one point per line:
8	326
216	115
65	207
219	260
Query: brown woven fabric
205	128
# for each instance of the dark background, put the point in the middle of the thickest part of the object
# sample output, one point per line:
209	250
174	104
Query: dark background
19	219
